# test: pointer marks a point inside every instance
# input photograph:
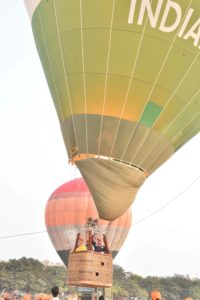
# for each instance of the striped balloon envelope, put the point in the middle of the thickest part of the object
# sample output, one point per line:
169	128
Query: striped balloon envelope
124	78
67	212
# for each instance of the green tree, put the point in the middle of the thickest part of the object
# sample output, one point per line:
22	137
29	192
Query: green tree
30	275
194	291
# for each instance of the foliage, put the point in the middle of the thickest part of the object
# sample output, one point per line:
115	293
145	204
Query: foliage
30	275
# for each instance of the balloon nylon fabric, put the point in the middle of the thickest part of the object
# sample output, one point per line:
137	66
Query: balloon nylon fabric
112	184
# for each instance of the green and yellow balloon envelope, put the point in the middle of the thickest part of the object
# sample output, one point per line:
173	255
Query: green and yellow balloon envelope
124	78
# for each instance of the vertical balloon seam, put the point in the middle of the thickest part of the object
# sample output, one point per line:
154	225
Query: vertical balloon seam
129	85
106	79
173	121
162	68
49	230
154	87
65	75
126	221
57	226
66	236
84	84
131	80
51	68
167	55
150	162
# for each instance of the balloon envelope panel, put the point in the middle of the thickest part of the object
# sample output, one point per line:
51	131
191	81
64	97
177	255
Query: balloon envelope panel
67	212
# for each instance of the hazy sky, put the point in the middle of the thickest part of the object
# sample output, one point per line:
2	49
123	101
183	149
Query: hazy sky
33	163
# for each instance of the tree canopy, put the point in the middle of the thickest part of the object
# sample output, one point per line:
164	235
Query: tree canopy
32	276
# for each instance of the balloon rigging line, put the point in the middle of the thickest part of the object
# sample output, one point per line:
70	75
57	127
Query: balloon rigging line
180	83
167	55
128	90
173	139
84	85
130	82
188	136
65	75
66	235
56	224
52	73
106	79
175	90
171	123
137	222
147	134
167	203
173	93
167	103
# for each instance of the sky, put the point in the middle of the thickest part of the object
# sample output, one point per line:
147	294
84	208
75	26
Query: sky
165	232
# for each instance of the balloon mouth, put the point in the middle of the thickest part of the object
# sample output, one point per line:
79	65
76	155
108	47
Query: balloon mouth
83	156
112	184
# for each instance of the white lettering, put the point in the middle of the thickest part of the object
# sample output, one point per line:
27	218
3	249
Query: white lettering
186	21
191	33
177	9
171	19
131	12
152	18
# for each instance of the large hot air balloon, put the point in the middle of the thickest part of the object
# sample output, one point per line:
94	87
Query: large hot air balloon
124	78
67	212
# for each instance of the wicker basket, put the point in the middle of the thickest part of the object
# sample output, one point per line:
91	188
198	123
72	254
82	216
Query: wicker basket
90	268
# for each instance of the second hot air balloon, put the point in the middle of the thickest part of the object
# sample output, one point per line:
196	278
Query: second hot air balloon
67	212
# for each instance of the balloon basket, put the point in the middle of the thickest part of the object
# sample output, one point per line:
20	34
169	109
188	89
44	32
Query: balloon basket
89	268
